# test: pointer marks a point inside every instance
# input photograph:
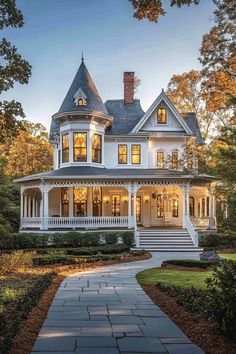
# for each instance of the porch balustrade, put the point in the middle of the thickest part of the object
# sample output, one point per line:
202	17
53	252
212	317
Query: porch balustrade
87	222
200	221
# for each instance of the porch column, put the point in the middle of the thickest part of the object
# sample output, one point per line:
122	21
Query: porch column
212	208
21	203
45	203
90	201
185	202
134	216
33	207
36	208
41	212
25	206
71	202
29	207
129	208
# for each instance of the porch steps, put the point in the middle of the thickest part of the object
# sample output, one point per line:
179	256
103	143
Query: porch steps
170	240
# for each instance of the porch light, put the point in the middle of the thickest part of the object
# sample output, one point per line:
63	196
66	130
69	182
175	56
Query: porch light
146	199
154	195
125	199
106	200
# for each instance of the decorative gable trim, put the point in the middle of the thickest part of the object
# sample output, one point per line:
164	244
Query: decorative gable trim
160	98
80	95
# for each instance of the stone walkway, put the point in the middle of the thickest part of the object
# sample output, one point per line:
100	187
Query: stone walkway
105	311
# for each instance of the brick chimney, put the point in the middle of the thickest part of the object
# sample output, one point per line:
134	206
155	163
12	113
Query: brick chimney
128	87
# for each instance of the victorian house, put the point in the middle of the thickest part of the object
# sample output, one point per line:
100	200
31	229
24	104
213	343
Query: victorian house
118	167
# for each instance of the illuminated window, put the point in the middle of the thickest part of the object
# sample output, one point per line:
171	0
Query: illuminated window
135	154
80	201
175	207
80	147
65	201
97	201
65	148
115	204
161	116
80	102
174	160
191	206
160	159
122	154
160	206
97	148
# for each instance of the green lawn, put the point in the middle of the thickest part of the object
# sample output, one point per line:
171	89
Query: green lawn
228	256
174	277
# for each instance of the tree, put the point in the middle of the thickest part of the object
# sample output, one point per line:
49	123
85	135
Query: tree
153	9
137	83
16	69
218	56
30	152
188	94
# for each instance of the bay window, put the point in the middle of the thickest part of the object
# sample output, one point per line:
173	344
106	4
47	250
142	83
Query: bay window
65	148
97	148
80	147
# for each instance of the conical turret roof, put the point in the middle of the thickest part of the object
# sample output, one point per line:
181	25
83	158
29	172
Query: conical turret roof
83	81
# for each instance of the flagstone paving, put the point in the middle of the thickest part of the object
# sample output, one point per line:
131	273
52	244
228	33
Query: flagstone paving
105	311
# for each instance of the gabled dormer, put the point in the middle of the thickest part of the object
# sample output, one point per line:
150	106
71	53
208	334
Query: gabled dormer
162	117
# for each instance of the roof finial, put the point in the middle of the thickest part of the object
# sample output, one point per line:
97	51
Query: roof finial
82	57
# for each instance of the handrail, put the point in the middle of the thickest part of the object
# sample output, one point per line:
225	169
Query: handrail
192	232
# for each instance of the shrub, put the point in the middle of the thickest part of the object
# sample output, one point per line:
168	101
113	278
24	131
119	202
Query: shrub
188	263
110	238
218	241
221	298
210	256
138	253
10	262
191	298
105	249
128	238
52	259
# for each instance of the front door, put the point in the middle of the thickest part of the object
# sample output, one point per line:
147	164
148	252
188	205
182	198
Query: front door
138	209
157	210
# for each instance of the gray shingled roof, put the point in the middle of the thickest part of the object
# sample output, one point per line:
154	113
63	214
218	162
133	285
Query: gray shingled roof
125	116
191	119
86	172
84	81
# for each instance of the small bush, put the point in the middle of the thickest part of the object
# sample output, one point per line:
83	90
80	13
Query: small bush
210	256
128	238
188	263
221	298
218	241
11	262
105	249
138	253
110	238
52	259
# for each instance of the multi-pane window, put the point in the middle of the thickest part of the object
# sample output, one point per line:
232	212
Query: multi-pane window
65	201
175	207
122	154
160	159
174	160
160	206
80	201
115	204
97	148
65	148
135	154
80	147
161	116
97	201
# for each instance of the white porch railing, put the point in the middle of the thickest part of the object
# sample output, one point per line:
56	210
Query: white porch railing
192	232
31	222
200	221
87	222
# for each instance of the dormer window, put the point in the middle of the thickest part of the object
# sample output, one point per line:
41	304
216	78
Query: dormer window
80	98
161	115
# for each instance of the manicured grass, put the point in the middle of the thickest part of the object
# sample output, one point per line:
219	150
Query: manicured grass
228	256
181	278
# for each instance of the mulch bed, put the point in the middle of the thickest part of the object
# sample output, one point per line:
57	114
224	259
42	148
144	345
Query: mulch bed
199	330
28	331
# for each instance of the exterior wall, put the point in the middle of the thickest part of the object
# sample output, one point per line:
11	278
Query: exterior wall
111	154
166	145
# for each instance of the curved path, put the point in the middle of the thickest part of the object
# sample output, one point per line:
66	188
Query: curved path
105	311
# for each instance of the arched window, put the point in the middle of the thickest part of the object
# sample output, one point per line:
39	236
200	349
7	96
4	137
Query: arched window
160	159
97	201
175	207
191	206
80	102
161	115
65	202
80	201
